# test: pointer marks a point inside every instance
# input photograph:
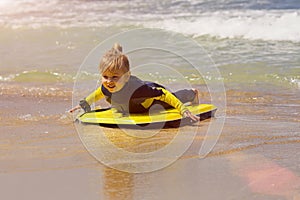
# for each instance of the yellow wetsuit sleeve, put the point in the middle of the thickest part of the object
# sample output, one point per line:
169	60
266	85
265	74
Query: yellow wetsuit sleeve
172	100
95	96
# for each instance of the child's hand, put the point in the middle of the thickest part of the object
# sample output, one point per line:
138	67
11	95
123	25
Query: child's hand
74	109
191	115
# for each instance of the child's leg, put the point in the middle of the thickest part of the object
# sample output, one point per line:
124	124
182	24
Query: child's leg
196	99
186	96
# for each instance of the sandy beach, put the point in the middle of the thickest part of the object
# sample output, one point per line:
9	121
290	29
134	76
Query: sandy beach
42	155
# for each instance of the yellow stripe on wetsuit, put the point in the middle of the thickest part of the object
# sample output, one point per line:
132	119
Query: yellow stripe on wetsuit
167	97
95	96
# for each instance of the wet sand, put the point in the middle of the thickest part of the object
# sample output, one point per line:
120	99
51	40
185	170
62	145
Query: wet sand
256	157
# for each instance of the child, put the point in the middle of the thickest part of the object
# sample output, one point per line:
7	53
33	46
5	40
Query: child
129	94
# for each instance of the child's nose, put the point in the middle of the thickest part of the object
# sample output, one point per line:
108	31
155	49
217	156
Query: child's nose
109	79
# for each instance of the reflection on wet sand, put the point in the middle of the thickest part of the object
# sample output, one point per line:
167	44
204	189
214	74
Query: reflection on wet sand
235	176
117	184
124	150
263	176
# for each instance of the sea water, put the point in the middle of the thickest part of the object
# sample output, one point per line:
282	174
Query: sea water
249	41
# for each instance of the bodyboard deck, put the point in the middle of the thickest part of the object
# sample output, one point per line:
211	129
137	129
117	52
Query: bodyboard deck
109	117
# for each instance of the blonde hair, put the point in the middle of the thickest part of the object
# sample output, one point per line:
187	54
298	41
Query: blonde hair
114	60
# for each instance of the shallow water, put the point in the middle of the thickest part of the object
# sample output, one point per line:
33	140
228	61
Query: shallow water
256	156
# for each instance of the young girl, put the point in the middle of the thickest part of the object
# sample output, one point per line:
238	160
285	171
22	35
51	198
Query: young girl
129	94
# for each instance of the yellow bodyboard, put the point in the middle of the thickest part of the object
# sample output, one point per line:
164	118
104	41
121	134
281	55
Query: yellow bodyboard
111	117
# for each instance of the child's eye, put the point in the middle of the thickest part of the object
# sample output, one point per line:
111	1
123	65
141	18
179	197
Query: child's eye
106	77
115	77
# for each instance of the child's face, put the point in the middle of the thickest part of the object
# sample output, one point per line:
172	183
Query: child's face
114	81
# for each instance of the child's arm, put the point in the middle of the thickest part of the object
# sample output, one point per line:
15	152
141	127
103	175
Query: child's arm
74	109
172	100
85	103
95	96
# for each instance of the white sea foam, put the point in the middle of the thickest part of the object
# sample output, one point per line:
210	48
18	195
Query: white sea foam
257	25
225	19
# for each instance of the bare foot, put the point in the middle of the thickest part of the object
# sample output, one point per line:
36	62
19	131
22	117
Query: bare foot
196	99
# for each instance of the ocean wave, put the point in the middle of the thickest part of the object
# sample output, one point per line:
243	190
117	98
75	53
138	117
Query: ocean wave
260	73
63	118
233	73
23	119
33	90
228	19
46	77
35	76
254	25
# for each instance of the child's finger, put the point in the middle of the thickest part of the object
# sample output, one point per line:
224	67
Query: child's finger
194	118
190	115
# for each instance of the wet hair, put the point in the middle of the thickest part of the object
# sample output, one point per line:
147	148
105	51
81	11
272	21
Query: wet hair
114	60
